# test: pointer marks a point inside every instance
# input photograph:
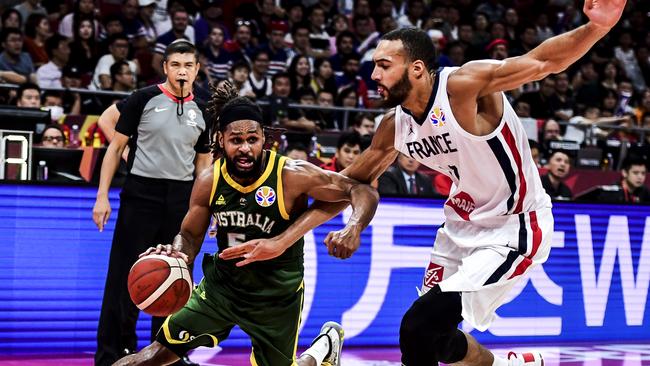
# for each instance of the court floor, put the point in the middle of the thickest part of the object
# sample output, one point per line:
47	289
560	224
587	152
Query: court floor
600	354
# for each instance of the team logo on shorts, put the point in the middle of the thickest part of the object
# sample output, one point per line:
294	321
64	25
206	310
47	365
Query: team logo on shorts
265	196
463	204
433	274
438	117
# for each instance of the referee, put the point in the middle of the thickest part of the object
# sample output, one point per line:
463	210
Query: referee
168	146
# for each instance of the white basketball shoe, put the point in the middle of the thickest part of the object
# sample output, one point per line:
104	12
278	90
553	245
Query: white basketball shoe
333	331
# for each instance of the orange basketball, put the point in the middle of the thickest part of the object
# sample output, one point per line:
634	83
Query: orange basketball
160	285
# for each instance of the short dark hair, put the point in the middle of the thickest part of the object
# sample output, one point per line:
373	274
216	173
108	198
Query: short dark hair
296	146
9	31
417	44
351	138
53	43
33	20
181	46
240	64
343	34
632	160
300	25
26	86
115	37
360	117
115	69
280	75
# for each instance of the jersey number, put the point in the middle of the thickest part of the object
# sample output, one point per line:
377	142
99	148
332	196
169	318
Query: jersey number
235	239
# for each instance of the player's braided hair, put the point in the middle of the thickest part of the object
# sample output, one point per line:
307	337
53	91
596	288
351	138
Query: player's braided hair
224	95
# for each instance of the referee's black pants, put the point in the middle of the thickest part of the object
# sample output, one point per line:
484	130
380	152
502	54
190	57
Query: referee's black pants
151	212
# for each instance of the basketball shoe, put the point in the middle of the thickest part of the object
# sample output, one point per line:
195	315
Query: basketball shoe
525	359
334	332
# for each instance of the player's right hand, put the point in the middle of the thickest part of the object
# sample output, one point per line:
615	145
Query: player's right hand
101	212
168	250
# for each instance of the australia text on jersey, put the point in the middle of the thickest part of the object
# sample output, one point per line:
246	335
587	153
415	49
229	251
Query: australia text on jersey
241	219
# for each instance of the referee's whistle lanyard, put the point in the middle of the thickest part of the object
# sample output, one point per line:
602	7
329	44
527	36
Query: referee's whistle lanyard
179	106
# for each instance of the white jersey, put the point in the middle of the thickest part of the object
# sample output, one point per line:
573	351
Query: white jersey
494	176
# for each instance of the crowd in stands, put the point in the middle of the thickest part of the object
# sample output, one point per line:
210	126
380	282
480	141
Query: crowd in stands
319	53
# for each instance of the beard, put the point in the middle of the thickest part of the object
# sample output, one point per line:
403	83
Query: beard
398	93
253	172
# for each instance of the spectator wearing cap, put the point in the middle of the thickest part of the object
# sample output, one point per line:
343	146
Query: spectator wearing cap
37	31
119	50
58	51
497	49
28	95
210	17
214	58
15	65
71	78
275	48
180	20
558	167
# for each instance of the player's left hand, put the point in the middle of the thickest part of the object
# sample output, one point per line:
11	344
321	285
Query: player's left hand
169	250
253	251
604	13
343	243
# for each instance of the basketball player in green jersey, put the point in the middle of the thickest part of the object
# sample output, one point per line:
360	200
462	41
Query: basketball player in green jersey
252	193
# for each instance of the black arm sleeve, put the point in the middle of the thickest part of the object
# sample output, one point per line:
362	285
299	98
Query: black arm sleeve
131	111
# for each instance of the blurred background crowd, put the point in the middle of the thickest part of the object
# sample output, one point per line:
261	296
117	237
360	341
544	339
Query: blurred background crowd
309	64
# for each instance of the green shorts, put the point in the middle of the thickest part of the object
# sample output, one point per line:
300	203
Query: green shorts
207	319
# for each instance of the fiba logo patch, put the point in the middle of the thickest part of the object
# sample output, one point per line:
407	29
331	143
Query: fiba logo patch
438	117
463	204
192	121
265	196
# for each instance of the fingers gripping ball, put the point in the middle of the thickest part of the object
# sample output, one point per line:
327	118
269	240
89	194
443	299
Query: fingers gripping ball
160	285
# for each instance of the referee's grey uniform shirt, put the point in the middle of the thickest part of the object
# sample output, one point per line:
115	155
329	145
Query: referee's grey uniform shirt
163	145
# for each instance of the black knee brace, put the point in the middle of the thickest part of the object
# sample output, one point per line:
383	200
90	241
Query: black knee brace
429	333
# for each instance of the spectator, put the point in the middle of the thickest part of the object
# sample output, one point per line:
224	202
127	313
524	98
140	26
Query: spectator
364	124
53	137
37	31
610	77
180	20
497	49
337	25
522	109
403	178
53	101
71	78
119	50
122	78
258	82
542	102
84	50
277	113
535	152
481	36
210	17
319	40
351	79
631	188
348	98
58	51
131	25
344	47
511	21
242	42
527	41
626	57
28	96
414	13
325	98
239	77
215	60
15	66
146	9
588	91
278	53
553	182
365	33
300	74
82	9
29	7
323	77
348	148
563	100
492	9
297	151
543	29
11	18
300	41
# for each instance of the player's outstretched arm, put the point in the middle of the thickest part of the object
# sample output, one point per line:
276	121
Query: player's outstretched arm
187	243
551	56
372	162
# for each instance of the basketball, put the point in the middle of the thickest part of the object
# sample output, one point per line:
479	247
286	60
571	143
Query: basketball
160	285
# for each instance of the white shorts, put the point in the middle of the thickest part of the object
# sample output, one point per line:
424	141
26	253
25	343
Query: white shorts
485	272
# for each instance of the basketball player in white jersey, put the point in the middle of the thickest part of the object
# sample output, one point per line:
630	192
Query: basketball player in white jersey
498	217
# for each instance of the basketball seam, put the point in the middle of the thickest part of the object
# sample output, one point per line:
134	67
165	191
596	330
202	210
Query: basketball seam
169	281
